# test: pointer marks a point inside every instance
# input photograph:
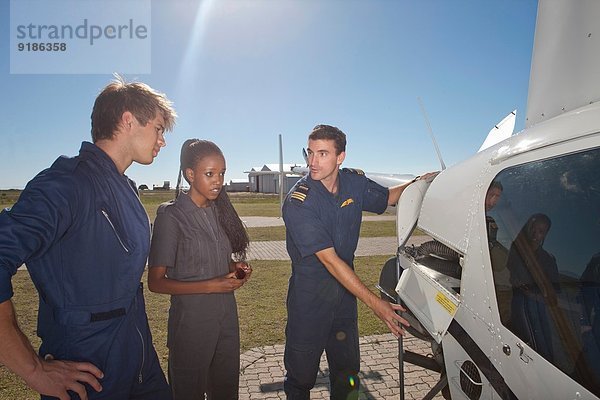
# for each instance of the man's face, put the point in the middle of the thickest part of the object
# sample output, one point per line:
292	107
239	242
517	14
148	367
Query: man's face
323	161
492	197
148	139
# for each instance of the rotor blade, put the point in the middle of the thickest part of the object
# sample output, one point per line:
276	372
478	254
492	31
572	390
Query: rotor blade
431	135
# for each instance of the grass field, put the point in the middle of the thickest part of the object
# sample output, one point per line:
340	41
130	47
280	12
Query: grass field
8	198
261	302
246	204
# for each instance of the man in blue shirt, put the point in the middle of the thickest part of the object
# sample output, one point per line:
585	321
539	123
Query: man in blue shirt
322	215
84	235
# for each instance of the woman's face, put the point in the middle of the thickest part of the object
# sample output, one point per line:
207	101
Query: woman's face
539	230
206	179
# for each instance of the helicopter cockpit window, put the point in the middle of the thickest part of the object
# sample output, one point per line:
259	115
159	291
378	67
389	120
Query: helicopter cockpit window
543	226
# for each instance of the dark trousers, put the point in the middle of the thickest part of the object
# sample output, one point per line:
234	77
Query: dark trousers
304	346
204	357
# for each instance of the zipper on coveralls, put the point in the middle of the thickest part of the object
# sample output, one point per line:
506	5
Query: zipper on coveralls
140	378
114	230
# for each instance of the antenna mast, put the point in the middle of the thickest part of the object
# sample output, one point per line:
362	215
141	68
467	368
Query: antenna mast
281	174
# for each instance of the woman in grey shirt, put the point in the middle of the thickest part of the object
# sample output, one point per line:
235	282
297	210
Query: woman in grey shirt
194	239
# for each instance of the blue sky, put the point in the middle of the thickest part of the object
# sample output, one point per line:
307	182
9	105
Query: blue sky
240	72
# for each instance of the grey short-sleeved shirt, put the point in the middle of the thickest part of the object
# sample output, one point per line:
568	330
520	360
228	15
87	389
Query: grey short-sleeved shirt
189	241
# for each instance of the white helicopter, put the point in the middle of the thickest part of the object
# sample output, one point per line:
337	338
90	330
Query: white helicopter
508	291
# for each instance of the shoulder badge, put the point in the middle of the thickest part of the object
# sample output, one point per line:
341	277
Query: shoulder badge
353	171
300	193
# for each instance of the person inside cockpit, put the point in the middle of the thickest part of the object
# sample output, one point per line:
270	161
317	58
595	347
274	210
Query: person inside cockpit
493	195
590	314
535	281
498	254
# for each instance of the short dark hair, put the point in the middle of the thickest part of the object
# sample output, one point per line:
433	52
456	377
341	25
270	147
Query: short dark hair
496	184
137	98
328	132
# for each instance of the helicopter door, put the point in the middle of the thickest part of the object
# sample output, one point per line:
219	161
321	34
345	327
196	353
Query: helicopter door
408	209
543	245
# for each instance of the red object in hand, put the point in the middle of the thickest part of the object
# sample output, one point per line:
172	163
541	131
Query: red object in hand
240	273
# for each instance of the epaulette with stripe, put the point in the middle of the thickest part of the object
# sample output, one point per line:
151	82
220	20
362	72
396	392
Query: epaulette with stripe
353	171
300	193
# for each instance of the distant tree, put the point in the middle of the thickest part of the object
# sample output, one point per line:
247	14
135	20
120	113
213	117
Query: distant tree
143	187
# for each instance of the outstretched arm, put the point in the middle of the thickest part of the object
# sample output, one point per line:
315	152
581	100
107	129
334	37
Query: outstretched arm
348	278
49	377
396	191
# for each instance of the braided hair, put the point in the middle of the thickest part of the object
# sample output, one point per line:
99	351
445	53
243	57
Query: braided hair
192	151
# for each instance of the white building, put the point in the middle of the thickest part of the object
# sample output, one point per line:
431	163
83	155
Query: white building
238	185
265	179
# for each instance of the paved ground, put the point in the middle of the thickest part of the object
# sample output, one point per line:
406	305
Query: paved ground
262	368
262	372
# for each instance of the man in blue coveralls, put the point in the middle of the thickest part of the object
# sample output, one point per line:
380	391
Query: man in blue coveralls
84	235
322	215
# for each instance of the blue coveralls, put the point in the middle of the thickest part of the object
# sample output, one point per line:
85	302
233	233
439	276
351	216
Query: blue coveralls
84	235
322	314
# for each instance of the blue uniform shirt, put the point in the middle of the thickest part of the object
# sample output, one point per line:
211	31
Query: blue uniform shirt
315	220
